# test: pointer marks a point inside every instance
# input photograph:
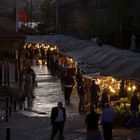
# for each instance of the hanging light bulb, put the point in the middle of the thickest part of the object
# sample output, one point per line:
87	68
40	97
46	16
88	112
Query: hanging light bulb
133	87
129	88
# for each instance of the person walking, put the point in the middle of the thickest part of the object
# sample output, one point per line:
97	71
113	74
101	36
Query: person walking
104	99
62	76
134	107
92	120
107	120
33	74
94	90
81	94
58	118
28	86
68	86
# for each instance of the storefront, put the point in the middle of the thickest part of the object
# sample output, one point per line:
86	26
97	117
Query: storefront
11	53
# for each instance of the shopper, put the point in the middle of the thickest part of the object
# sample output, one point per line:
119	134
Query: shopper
92	120
81	94
94	90
68	86
134	107
107	120
105	99
33	74
58	118
28	86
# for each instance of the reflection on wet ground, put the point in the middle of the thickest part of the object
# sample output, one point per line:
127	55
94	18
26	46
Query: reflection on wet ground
48	93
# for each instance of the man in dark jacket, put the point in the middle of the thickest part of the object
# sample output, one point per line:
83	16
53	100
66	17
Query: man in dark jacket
58	118
92	120
94	90
68	86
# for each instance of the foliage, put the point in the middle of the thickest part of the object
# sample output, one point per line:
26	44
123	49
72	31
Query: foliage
122	112
124	100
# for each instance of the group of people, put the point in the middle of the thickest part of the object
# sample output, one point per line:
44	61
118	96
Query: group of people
27	86
94	95
107	120
58	118
93	118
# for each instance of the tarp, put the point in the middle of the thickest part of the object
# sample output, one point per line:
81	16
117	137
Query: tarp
94	60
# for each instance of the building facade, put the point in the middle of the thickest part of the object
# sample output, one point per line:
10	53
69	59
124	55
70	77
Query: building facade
112	21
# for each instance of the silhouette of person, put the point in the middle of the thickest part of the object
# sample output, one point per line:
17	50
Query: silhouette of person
92	120
68	86
58	118
107	120
33	74
104	98
94	90
28	86
81	94
134	107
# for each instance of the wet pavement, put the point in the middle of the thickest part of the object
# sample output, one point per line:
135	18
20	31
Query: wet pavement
34	123
48	93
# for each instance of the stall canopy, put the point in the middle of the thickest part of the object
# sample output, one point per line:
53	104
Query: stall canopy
92	59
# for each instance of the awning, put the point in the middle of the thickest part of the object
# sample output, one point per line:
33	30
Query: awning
92	59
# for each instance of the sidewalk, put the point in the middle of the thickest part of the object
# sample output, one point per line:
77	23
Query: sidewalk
34	125
39	128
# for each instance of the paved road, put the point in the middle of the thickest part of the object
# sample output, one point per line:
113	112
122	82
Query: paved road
48	93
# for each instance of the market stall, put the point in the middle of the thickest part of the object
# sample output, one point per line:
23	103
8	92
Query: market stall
114	70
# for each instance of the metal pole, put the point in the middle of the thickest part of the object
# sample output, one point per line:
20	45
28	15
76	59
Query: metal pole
7	102
14	105
56	15
10	109
7	133
6	115
6	110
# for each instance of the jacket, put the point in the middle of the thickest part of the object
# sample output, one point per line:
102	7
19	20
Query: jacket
54	114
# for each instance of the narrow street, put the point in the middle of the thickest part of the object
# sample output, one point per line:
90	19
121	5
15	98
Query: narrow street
48	93
34	123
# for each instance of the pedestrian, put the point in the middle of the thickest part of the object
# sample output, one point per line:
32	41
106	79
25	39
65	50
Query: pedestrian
81	94
104	99
62	76
58	118
68	86
28	86
79	79
107	120
92	120
94	90
32	73
134	107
